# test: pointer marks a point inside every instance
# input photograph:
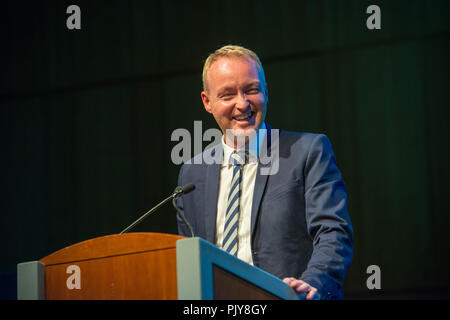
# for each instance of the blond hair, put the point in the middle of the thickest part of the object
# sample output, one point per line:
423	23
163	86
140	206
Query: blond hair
231	51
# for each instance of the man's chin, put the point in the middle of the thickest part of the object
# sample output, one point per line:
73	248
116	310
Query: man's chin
247	131
248	127
238	137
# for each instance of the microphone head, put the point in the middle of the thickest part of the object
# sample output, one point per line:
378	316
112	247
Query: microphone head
187	188
184	189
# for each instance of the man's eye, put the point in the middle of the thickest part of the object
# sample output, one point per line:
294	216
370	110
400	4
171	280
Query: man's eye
253	91
226	96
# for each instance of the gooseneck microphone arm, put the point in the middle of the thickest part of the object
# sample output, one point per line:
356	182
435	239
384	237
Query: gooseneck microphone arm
181	214
175	194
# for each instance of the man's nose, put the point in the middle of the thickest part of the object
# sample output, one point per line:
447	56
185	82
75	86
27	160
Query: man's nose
242	102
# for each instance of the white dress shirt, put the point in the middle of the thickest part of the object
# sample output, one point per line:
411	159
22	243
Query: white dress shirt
248	175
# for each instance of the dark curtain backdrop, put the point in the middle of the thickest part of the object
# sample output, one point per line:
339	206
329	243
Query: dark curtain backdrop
87	116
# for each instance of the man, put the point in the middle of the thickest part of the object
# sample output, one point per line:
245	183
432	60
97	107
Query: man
292	222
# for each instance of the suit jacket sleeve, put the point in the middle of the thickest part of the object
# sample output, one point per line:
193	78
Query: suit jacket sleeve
328	221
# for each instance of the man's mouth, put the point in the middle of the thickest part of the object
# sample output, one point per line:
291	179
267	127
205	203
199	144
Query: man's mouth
244	117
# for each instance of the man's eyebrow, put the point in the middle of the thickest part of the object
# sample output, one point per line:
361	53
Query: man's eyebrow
232	88
256	82
225	89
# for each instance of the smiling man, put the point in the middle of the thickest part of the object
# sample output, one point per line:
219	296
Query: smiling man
294	223
235	91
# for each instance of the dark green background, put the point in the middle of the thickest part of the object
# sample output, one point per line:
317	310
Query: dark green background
87	115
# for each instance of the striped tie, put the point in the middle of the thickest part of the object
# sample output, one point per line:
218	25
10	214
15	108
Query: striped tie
230	241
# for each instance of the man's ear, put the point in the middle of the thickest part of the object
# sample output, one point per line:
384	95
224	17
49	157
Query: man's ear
206	102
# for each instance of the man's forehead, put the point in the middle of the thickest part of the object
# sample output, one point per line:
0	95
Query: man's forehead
226	61
225	67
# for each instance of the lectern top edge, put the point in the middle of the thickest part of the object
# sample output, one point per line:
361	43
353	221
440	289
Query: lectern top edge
112	245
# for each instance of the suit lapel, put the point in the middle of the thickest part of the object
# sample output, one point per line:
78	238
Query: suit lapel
260	184
211	194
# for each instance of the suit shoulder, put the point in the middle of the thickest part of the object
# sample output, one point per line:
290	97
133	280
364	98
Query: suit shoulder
212	155
305	138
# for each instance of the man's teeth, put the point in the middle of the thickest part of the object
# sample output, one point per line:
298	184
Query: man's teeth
244	117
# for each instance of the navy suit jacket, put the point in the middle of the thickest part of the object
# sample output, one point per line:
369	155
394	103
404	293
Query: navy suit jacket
300	226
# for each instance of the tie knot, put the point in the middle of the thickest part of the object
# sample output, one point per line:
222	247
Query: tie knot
239	158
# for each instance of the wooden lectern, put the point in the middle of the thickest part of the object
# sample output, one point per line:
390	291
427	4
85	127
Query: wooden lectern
146	266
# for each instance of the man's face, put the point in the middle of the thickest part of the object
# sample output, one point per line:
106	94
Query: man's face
236	94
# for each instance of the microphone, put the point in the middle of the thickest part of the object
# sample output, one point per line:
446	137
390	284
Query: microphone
183	190
178	192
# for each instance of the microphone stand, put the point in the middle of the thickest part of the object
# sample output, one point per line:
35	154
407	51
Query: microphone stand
173	195
183	217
